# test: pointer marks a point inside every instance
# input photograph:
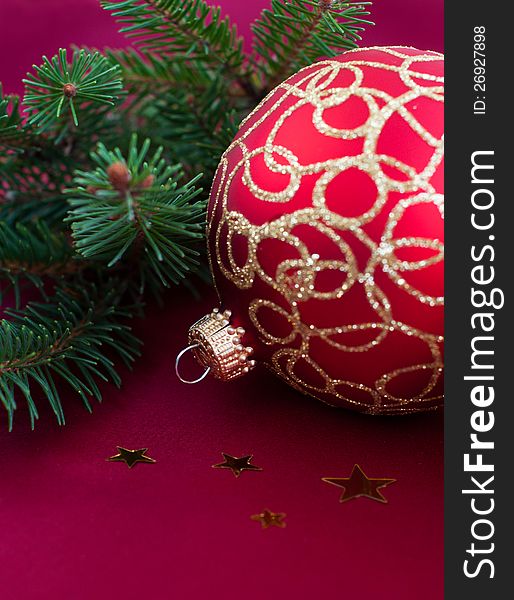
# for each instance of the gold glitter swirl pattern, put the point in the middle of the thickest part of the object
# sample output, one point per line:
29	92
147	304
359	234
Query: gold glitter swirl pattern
294	279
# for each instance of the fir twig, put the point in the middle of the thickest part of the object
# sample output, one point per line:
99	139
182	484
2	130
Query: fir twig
295	33
197	129
68	338
32	255
147	73
189	30
10	130
89	78
137	205
31	186
14	135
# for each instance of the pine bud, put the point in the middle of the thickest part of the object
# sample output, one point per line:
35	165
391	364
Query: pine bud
326	4
119	176
69	90
147	181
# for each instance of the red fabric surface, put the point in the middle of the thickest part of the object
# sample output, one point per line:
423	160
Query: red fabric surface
76	527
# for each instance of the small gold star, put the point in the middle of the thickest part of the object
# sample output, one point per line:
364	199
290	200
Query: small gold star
268	519
237	465
358	485
131	457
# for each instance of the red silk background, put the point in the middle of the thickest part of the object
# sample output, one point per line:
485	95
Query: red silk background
76	527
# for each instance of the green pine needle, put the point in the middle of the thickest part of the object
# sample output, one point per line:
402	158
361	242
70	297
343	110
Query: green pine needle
70	338
57	85
134	207
31	187
147	73
15	136
197	129
32	255
295	33
192	28
10	130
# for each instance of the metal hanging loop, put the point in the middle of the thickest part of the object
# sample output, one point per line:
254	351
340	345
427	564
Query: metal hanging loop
177	361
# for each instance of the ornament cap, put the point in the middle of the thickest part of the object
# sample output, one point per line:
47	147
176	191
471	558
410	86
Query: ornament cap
216	345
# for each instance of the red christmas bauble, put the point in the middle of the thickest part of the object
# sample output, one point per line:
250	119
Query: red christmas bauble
325	230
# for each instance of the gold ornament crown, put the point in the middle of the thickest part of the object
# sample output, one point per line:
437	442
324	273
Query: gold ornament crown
217	346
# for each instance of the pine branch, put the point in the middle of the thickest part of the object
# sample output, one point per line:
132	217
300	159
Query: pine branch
134	209
294	33
32	255
9	122
166	95
148	76
14	135
197	129
69	338
89	79
31	186
39	155
143	72
189	30
190	108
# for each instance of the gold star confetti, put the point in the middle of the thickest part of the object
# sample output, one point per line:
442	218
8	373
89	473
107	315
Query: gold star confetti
269	519
131	457
237	465
358	485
